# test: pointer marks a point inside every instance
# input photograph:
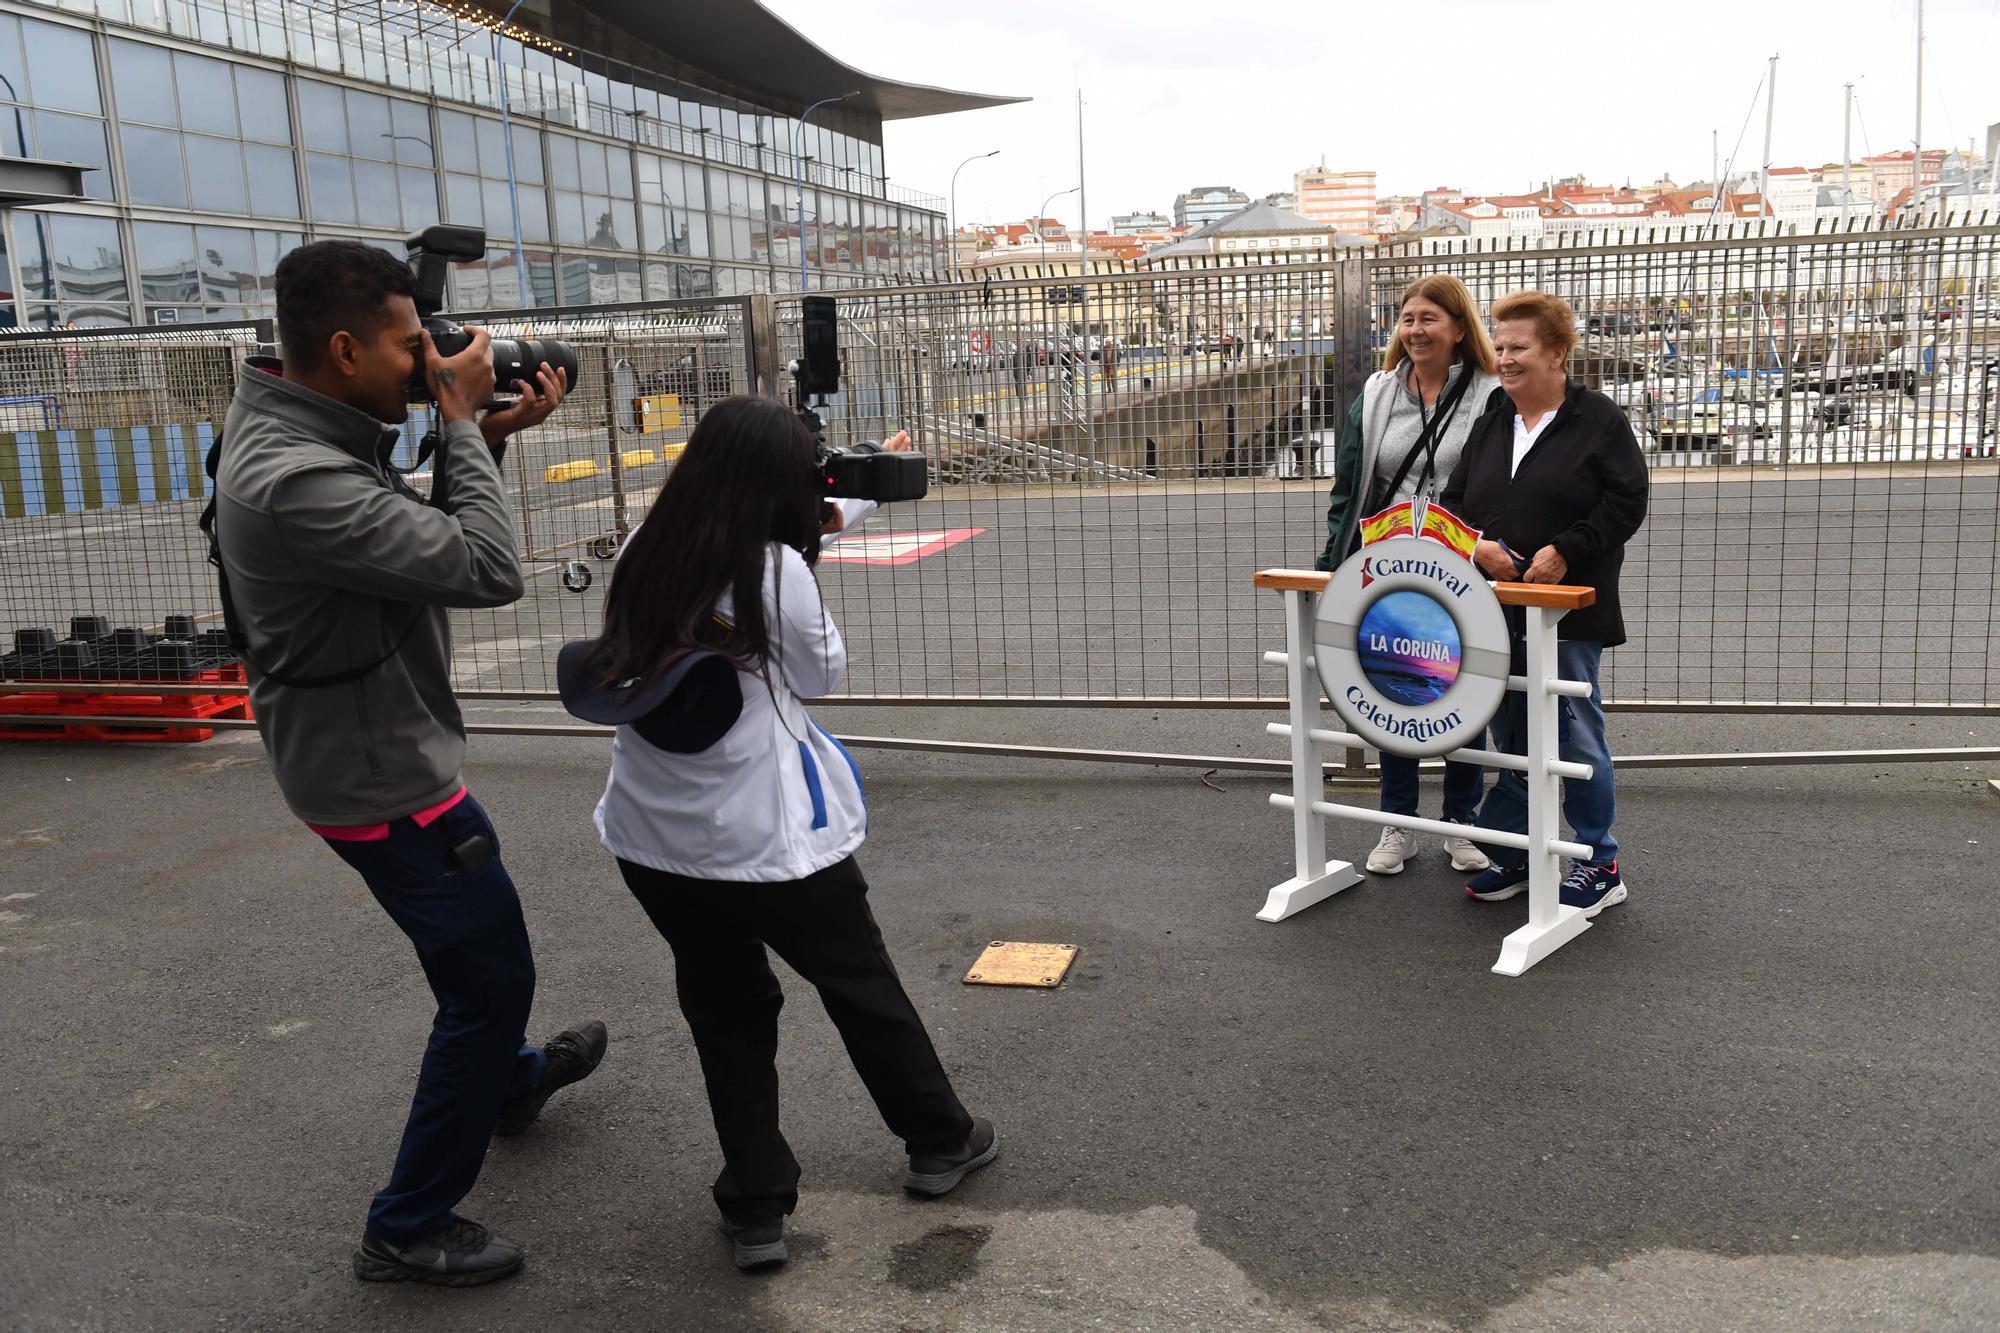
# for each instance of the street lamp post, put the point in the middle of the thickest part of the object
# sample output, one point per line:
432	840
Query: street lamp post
953	221
1041	234
799	174
507	133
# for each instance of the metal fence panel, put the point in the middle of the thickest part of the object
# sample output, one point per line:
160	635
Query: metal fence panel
102	441
584	479
1819	413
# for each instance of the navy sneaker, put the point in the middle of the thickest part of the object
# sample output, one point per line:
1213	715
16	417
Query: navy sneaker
459	1254
574	1055
757	1244
1592	887
1497	883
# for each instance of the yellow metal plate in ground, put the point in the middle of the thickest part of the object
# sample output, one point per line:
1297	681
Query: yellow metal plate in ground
1009	963
575	470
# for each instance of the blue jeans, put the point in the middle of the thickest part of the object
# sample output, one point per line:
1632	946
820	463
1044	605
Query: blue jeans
1588	806
469	935
1462	783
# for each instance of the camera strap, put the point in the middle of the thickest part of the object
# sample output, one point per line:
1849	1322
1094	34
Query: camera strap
232	624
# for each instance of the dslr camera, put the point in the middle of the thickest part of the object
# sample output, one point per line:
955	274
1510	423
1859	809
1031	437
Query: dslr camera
865	473
515	360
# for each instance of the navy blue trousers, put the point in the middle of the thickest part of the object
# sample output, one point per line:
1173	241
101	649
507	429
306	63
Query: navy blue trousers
469	936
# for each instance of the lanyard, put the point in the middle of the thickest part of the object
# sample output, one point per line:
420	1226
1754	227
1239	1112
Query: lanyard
1433	428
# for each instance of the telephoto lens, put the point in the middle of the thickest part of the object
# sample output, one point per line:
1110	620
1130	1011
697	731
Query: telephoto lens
515	360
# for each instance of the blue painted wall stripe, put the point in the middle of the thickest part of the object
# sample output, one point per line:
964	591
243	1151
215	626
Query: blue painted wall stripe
142	457
177	471
107	465
29	445
72	471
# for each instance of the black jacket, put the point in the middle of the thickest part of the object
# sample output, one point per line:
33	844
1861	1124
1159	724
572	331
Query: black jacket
1582	489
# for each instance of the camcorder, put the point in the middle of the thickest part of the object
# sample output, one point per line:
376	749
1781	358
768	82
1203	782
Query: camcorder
865	473
515	360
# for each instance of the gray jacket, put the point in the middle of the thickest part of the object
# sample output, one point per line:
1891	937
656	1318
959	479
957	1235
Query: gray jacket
332	559
1390	426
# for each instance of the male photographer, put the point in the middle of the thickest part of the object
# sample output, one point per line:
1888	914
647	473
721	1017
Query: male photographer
340	575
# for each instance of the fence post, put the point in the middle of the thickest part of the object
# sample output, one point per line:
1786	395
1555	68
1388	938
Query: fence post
614	458
760	346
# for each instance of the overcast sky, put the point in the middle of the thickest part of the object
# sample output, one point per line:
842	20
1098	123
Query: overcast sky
1490	96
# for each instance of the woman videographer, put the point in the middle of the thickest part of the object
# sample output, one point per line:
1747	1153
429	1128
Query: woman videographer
735	818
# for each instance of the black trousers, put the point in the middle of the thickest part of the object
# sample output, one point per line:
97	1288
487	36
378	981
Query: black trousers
822	928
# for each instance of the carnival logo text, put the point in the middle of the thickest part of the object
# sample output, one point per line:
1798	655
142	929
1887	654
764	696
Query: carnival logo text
1374	567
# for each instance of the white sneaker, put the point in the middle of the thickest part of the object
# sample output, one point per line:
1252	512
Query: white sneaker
1395	847
1465	856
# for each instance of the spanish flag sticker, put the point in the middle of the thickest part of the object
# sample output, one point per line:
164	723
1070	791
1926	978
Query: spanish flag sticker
1441	525
1395	521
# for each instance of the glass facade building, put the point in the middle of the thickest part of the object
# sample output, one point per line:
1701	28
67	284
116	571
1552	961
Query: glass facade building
218	135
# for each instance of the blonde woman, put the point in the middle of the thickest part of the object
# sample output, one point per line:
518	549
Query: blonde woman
1404	435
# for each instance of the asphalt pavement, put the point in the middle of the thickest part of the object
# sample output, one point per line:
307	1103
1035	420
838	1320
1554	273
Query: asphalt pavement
1759	1095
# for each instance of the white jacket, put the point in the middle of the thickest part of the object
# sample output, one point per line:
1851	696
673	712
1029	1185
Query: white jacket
776	798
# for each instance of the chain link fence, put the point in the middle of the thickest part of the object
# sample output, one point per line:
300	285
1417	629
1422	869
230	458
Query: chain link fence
1113	454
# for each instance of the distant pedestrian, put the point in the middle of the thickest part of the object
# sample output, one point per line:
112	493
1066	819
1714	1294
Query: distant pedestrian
1107	361
1023	351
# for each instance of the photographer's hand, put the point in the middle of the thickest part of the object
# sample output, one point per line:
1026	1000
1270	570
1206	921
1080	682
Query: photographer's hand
461	384
536	403
899	443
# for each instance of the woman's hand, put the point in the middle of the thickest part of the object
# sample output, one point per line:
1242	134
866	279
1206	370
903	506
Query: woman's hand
1494	562
1548	566
899	443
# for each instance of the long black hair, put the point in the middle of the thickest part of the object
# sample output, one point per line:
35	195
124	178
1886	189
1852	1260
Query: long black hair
746	479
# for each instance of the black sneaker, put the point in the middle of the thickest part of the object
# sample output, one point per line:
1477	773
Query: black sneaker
1498	883
757	1244
936	1175
1593	887
573	1054
459	1254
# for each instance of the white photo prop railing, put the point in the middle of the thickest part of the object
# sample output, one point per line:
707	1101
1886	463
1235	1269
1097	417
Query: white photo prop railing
1550	924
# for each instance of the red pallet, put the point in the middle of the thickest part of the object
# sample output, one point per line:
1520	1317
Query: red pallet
69	716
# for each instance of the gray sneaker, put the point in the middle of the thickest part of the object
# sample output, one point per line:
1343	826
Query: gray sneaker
1395	847
459	1254
939	1174
1464	855
756	1245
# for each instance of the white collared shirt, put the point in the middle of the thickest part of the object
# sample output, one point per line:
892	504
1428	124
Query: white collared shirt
1524	439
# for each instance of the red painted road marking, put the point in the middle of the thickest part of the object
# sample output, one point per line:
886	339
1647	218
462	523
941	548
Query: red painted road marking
895	548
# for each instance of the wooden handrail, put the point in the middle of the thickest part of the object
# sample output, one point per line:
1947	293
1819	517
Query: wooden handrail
1554	596
1292	580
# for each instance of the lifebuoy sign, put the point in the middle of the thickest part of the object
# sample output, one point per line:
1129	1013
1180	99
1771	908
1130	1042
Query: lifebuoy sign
1410	641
